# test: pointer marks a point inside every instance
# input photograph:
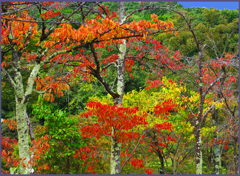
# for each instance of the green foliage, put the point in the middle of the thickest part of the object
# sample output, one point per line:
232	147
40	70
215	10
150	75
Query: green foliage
65	138
3	163
206	22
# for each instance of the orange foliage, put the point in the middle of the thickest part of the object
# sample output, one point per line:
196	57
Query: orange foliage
12	124
49	84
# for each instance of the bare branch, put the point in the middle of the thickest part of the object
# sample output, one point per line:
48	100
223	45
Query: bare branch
207	112
211	85
103	9
28	36
147	8
52	22
133	151
12	36
39	92
112	63
214	46
16	11
190	27
9	78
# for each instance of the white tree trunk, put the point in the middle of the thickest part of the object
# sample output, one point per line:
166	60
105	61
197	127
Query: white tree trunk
21	98
198	144
23	140
115	146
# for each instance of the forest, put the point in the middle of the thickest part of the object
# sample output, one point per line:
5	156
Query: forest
119	88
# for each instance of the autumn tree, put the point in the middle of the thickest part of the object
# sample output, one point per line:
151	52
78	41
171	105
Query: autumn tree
213	76
24	46
136	116
118	35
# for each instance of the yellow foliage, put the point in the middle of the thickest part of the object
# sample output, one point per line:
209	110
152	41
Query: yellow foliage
147	99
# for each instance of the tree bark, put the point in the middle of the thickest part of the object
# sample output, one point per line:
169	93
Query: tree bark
216	150
21	98
68	165
115	155
21	114
162	163
116	146
235	156
198	144
22	128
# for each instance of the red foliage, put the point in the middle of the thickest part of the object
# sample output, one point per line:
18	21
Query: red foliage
47	3
137	163
115	116
41	145
6	151
122	120
50	14
148	171
89	156
155	84
164	108
211	75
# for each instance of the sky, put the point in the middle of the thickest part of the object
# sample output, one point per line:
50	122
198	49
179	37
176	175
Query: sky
217	5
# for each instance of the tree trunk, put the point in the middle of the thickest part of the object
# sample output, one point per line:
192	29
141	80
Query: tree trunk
116	146
162	171
21	99
68	165
173	165
115	155
22	135
198	144
216	151
235	156
208	156
216	159
162	165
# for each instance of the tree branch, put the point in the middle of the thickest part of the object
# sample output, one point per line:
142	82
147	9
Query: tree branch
16	11
206	113
9	78
112	63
